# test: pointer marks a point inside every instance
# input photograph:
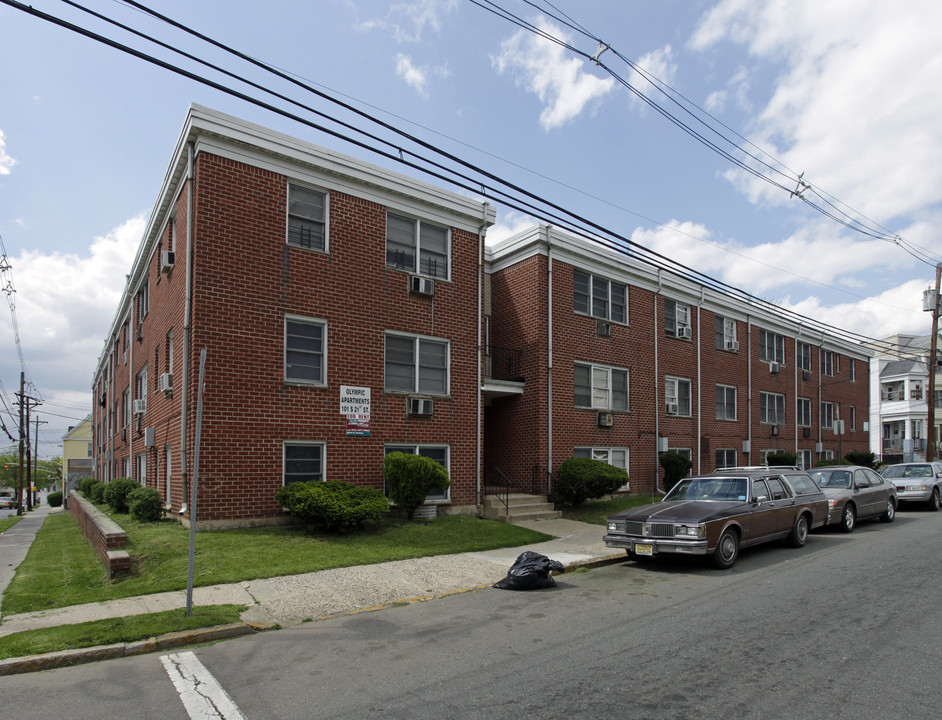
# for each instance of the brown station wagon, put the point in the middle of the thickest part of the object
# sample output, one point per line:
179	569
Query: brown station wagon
717	514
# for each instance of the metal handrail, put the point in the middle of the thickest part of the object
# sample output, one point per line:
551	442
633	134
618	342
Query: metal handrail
505	487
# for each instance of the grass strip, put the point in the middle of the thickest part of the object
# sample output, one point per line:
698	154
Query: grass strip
596	512
61	569
7	523
115	630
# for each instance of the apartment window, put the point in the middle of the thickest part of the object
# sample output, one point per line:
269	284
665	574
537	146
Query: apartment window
677	319
827	415
140	463
915	391
771	408
305	351
803	351
597	386
143	300
805	460
170	352
307	217
804	412
598	297
126	402
853	370
140	385
829	363
408	239
771	347
416	364
677	396
438	453
827	454
725	402
725	334
725	457
617	456
303	462
938	398
853	417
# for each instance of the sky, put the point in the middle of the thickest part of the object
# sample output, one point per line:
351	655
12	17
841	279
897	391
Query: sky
843	93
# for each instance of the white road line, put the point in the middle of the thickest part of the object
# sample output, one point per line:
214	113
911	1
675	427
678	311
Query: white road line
202	696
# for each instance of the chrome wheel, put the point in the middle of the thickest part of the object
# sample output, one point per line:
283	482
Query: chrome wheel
848	519
934	501
799	533
727	550
890	513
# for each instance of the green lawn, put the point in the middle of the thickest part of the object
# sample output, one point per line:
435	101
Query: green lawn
7	523
61	569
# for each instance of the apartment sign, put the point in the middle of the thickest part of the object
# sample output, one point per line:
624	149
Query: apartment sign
355	407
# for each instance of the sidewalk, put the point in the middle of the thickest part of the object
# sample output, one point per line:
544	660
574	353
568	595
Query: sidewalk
290	600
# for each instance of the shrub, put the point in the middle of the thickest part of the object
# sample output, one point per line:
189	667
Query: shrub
584	478
83	483
95	492
676	467
781	457
858	457
334	505
145	504
117	491
410	478
832	461
54	499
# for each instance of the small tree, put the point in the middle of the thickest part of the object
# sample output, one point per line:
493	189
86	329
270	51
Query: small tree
584	478
410	478
676	467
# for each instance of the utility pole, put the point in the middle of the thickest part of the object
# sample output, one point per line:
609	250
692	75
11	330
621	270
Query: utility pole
36	453
19	472
933	347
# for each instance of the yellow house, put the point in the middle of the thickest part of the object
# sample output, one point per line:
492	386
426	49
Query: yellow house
77	454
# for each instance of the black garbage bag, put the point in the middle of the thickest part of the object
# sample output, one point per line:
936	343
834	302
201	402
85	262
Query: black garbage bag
530	571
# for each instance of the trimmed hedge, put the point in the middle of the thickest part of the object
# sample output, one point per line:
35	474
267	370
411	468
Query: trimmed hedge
583	478
676	466
410	478
95	492
145	504
54	499
117	491
333	505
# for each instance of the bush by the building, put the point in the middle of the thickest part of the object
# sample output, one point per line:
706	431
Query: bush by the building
676	467
117	491
54	499
410	478
145	504
334	505
583	478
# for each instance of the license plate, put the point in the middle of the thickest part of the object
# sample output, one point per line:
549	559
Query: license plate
647	550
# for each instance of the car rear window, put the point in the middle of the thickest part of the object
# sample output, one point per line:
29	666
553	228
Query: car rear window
802	484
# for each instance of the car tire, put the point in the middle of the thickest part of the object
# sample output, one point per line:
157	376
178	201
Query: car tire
848	518
889	515
727	550
799	534
935	501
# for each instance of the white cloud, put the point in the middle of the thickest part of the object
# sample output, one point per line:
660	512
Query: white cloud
407	21
658	63
547	70
6	162
507	226
853	106
64	304
418	77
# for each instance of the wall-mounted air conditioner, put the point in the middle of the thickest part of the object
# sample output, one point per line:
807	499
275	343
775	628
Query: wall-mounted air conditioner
422	285
166	382
774	431
139	334
773	367
167	258
606	419
732	345
671	408
806	432
684	332
604	328
140	406
420	406
805	374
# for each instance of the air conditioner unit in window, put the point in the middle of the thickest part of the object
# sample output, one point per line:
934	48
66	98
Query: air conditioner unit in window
773	367
775	430
732	345
167	258
806	432
423	285
805	375
166	382
606	419
671	408
140	406
684	332
124	434
604	328
139	334
421	406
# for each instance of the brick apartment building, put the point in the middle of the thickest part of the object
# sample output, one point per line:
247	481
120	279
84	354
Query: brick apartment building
347	311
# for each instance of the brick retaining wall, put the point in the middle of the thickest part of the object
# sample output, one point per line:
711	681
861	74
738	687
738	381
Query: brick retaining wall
105	535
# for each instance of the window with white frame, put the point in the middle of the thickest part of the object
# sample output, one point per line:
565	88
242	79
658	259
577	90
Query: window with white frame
438	453
677	319
804	412
853	370
125	468
725	402
677	396
827	415
616	456
416	364
915	390
126	403
303	462
140	385
829	363
599	297
408	239
827	454
771	408
143	300
805	459
725	457
307	217
726	334
140	462
305	350
853	417
803	351
771	347
600	387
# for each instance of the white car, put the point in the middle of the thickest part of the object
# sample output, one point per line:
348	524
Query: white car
917	482
7	503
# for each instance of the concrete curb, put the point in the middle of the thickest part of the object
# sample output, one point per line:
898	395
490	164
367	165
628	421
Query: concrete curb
64	658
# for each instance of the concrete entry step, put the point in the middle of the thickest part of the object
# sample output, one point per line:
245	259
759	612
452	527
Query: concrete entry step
521	507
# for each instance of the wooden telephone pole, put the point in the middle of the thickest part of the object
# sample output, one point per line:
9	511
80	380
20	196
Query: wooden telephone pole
933	364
